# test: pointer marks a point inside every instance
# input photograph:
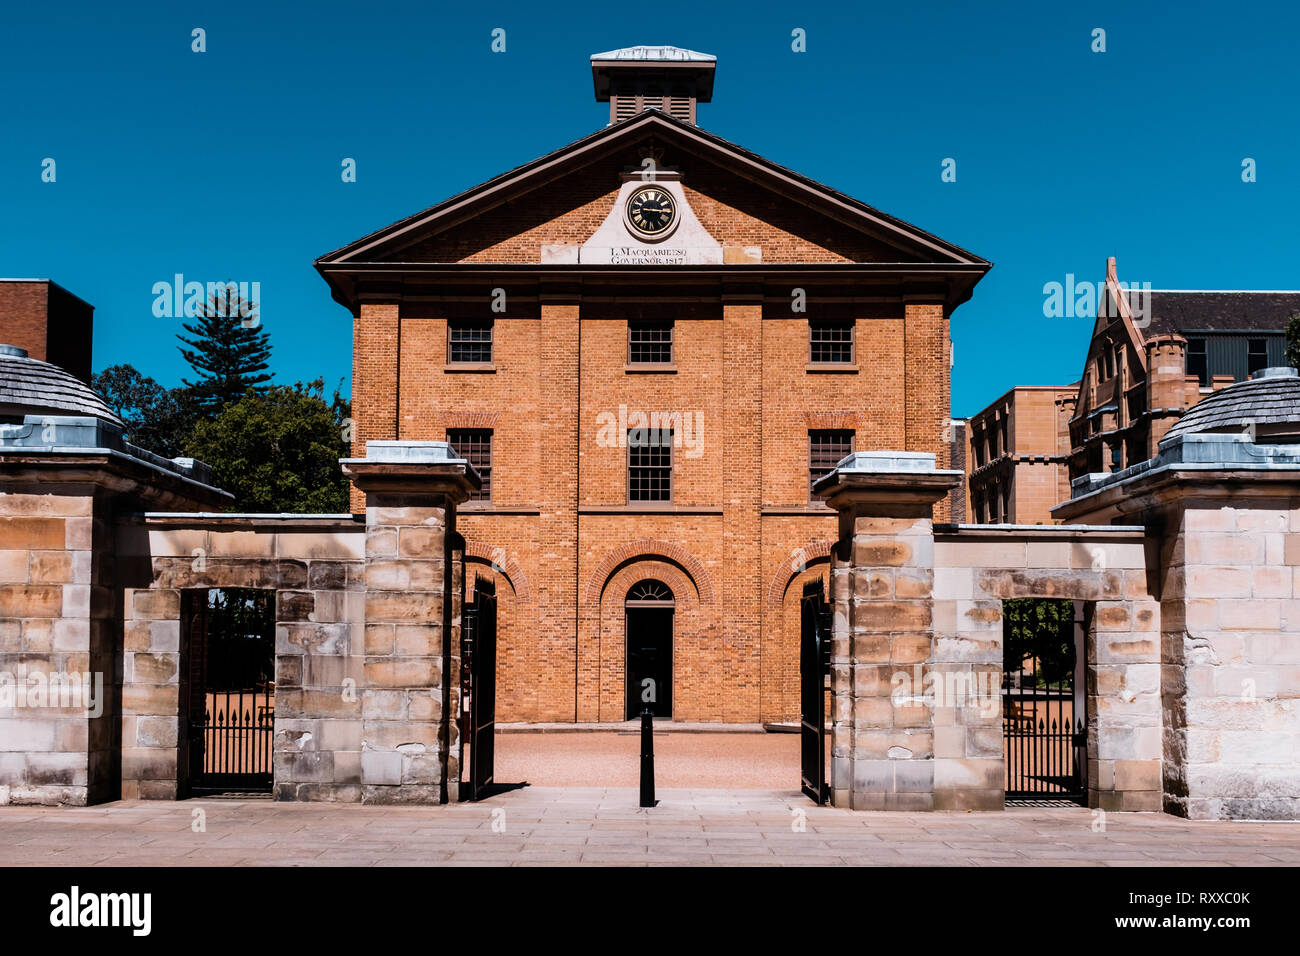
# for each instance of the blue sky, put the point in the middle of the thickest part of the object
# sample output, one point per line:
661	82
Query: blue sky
225	165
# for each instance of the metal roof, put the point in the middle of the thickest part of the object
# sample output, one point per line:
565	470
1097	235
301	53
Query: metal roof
41	388
1179	311
655	54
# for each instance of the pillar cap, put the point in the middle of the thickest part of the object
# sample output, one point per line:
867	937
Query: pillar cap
896	477
413	467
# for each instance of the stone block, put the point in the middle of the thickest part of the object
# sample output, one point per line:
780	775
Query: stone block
401	607
156	604
292	606
1137	775
407	672
33	600
891	616
871	552
33	533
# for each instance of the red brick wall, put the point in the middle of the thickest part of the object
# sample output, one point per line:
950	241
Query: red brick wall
570	210
23	316
741	529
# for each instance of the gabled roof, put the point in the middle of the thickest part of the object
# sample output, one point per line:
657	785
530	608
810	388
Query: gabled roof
1175	311
382	244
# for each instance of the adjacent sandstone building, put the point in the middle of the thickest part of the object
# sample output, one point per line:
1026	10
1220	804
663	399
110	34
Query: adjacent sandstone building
1153	354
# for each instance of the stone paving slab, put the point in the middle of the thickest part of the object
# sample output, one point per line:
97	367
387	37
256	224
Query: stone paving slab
604	827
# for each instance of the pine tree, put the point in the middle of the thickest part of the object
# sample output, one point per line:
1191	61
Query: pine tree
229	350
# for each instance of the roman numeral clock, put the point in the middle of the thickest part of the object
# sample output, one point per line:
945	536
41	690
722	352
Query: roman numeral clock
651	213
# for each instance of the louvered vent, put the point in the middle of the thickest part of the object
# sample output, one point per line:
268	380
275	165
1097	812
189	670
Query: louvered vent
664	78
624	107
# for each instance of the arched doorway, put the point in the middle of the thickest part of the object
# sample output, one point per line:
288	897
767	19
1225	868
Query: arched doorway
648	611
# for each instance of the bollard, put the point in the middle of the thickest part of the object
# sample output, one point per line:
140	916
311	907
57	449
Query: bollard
647	758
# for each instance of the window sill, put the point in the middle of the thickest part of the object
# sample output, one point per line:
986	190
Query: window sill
486	507
485	367
842	368
646	508
664	368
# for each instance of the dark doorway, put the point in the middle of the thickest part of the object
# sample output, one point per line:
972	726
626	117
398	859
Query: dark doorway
649	620
230	645
814	672
478	655
1043	717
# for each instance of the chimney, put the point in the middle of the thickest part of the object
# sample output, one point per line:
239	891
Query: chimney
665	78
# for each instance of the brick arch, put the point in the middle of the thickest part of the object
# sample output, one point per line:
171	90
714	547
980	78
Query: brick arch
650	548
814	552
483	553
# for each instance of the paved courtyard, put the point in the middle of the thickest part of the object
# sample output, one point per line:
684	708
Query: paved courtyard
736	759
540	825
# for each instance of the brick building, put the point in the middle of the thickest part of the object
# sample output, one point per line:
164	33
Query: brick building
1153	354
1015	472
649	343
48	322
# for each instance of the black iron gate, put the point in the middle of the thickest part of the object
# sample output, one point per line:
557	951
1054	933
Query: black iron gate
478	652
1043	719
230	644
814	666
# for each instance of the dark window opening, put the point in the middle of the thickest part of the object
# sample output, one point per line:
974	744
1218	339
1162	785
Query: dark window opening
649	343
826	449
469	342
475	446
649	464
1256	355
831	342
1196	361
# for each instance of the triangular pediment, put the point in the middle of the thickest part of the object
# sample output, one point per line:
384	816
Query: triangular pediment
739	200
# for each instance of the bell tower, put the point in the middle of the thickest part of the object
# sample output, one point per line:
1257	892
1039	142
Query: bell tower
665	78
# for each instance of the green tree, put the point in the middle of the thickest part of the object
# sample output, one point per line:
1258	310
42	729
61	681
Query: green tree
158	419
278	450
1041	628
229	350
1293	341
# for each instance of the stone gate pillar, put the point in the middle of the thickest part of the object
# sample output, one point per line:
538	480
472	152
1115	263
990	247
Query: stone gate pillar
882	636
412	640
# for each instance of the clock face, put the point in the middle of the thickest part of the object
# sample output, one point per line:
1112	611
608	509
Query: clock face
651	212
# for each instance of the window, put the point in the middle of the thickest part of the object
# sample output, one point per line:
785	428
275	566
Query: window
826	448
649	343
649	464
1256	355
830	342
469	342
1196	364
475	446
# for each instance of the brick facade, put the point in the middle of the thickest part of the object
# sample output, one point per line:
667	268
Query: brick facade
740	517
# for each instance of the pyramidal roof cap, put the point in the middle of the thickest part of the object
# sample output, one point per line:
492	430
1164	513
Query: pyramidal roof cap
655	54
